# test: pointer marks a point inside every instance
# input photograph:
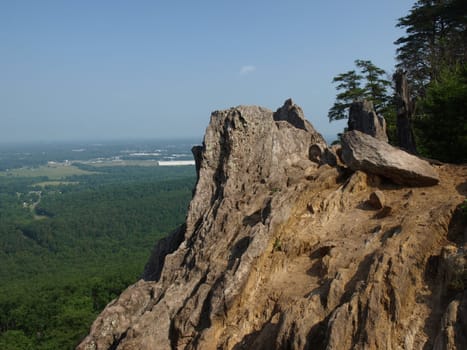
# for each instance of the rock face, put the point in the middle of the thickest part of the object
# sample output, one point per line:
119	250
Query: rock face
362	117
363	152
278	253
405	110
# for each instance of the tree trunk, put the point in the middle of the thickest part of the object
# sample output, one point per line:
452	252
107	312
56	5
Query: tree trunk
405	110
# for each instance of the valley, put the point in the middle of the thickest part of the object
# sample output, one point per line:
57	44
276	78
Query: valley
74	234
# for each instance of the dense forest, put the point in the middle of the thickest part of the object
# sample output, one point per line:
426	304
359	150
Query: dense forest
425	101
68	248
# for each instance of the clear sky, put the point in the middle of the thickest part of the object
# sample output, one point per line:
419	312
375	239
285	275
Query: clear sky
114	69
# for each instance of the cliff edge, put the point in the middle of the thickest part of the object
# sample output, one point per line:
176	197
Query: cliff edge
286	247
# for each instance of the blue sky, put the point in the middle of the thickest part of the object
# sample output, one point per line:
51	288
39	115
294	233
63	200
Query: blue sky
110	69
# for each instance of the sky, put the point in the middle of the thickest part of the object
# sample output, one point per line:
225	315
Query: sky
114	69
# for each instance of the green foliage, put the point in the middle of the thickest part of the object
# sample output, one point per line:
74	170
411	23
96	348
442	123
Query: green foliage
367	84
277	246
433	53
442	125
59	272
390	115
376	86
349	84
275	189
15	340
435	38
55	312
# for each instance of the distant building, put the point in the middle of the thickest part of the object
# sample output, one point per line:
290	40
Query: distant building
175	162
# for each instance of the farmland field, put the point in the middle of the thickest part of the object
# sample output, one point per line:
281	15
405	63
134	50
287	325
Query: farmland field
52	172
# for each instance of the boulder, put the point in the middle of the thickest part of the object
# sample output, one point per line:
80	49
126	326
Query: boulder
362	117
363	152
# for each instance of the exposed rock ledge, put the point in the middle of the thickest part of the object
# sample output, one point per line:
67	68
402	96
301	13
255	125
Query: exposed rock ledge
280	253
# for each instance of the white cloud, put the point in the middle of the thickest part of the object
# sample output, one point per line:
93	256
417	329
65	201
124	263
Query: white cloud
247	70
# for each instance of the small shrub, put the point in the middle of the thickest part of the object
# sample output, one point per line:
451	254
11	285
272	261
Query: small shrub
456	272
277	247
275	189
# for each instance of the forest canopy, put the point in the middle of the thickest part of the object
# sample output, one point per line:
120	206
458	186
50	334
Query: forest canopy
69	247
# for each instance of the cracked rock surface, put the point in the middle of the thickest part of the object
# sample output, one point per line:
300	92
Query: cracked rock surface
280	252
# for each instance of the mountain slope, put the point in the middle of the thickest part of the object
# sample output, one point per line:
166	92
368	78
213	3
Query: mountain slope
279	252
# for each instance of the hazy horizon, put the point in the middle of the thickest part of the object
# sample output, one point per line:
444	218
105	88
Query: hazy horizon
118	70
97	140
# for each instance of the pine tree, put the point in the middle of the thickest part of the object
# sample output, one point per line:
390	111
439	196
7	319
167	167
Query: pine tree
375	85
442	127
433	54
349	85
435	37
368	83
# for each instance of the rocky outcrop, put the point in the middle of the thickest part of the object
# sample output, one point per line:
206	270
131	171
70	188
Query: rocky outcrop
249	154
279	252
363	152
405	111
362	117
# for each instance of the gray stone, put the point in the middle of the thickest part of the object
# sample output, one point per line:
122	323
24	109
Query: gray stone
362	117
291	113
363	152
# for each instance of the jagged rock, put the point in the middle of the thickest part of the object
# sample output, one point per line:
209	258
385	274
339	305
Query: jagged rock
248	154
405	111
321	154
198	157
363	152
292	114
452	273
376	199
450	331
337	149
453	265
362	117
270	258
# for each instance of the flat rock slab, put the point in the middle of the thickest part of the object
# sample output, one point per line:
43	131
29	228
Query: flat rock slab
365	153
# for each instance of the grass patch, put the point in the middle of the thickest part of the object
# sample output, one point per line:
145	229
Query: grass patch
52	172
55	183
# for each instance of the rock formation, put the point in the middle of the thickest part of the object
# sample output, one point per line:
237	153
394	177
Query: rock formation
363	152
362	117
405	110
279	252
